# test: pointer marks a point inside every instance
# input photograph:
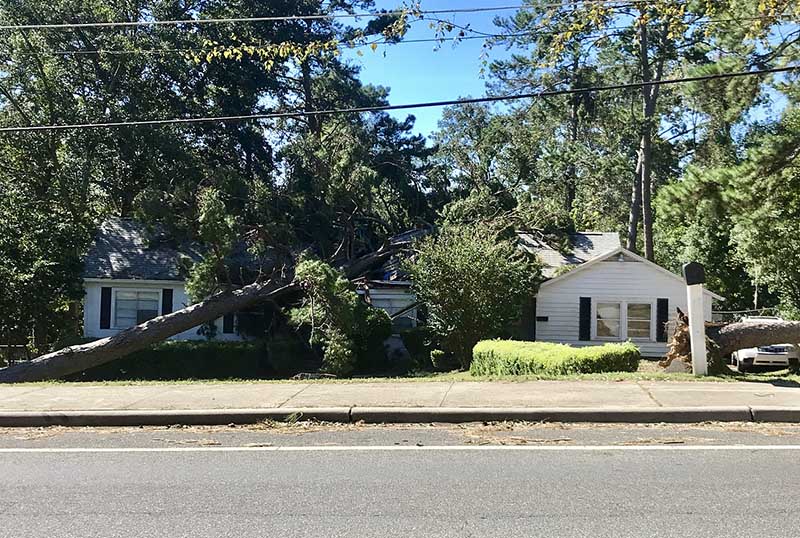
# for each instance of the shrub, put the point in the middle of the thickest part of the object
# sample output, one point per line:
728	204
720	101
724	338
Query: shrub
350	332
443	361
169	361
511	357
473	283
419	343
286	353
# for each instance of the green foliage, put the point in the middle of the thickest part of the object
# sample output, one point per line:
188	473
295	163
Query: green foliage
473	284
285	354
350	332
695	225
332	184
743	221
763	197
340	185
513	357
40	242
217	229
441	361
419	344
171	361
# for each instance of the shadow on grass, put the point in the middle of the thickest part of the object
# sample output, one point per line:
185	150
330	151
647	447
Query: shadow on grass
778	378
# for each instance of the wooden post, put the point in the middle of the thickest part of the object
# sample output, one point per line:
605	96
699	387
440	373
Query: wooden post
694	274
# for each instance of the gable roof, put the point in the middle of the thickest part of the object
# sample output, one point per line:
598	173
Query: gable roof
126	249
584	246
621	250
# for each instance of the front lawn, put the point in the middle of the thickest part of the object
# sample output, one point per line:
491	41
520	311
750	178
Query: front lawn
648	371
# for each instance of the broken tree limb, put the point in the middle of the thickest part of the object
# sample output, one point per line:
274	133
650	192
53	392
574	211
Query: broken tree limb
74	359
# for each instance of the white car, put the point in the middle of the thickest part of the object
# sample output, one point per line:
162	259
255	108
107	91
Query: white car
782	355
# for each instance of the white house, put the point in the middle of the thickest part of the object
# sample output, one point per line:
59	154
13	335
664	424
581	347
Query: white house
600	292
393	296
595	291
388	286
132	275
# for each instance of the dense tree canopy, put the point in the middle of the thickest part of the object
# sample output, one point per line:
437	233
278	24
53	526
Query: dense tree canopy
703	170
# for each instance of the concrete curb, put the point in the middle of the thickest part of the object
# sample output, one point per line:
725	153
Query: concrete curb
399	415
157	417
564	414
775	414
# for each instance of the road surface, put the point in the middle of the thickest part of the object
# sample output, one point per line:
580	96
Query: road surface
345	481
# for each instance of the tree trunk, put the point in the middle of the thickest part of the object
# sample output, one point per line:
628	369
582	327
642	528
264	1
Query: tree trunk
635	209
735	336
722	341
645	149
78	358
75	359
574	119
649	96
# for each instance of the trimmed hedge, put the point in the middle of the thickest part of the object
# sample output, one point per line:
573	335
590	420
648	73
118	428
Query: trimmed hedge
178	360
513	357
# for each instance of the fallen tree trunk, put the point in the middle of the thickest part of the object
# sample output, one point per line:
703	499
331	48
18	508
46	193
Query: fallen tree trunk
735	336
75	359
723	340
78	358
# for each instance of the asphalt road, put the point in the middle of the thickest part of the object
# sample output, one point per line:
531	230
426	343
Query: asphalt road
93	483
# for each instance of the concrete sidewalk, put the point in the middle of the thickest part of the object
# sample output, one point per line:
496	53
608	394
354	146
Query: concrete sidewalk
458	401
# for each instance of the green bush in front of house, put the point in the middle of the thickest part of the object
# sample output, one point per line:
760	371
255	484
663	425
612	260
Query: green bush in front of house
513	357
179	360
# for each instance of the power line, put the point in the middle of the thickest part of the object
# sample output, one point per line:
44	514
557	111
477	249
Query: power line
201	50
316	16
482	35
430	104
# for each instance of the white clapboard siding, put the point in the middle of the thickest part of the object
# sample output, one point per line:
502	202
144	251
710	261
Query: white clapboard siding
609	280
91	306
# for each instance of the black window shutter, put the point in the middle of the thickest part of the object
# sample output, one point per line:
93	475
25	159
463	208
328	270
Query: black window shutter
227	324
585	318
105	308
166	301
662	317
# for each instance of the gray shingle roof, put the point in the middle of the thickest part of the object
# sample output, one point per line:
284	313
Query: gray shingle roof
584	246
125	249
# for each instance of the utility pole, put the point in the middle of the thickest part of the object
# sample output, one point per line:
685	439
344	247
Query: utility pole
695	276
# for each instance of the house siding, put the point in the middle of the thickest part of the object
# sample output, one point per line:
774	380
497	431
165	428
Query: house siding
91	307
393	301
608	281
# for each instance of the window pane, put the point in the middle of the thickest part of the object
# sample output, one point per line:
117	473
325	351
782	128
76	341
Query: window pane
144	315
125	304
147	305
125	322
606	328
607	311
638	329
639	311
134	307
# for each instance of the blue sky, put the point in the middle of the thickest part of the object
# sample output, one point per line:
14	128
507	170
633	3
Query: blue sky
415	72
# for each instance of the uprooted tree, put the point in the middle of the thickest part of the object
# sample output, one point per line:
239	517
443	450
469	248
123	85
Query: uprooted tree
277	288
722	340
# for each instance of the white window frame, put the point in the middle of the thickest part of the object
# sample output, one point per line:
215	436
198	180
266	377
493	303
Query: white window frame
114	291
623	318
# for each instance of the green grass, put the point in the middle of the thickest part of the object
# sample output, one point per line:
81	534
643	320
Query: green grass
648	371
